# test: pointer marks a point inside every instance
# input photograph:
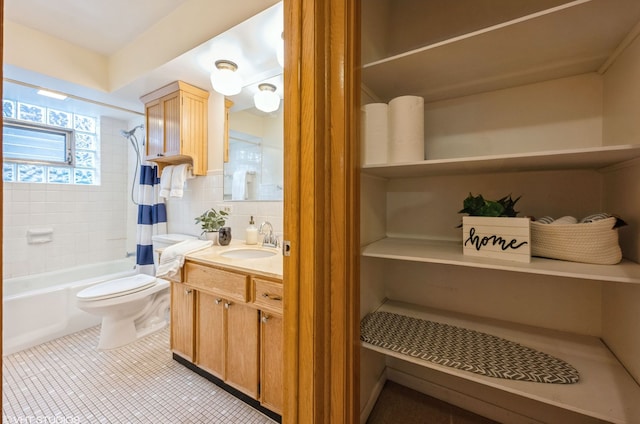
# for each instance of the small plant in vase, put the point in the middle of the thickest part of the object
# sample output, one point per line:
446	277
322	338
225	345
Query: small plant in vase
492	230
211	221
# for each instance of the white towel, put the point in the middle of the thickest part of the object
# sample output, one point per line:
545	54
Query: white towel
172	257
239	186
178	178
165	181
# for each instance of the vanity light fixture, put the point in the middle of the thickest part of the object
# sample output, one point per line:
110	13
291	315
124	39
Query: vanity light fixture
225	78
266	99
52	94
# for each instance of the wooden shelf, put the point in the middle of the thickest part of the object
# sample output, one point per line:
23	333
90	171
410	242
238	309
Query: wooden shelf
450	253
571	39
605	390
587	158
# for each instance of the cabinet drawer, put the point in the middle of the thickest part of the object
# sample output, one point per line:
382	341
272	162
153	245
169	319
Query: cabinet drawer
230	285
267	295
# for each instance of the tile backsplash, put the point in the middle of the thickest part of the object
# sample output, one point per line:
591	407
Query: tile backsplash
202	193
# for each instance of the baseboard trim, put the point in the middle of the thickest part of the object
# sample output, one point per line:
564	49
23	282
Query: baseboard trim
237	393
373	398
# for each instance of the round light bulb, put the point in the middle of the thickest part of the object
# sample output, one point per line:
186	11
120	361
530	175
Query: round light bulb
225	79
266	99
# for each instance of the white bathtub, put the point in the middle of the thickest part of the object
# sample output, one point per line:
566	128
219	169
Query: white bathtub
42	307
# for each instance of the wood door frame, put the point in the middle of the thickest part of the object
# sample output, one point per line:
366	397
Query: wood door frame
321	211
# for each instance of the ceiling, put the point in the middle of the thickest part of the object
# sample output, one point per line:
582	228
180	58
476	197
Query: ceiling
102	27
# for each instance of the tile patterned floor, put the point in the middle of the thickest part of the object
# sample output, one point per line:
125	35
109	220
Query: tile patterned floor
68	381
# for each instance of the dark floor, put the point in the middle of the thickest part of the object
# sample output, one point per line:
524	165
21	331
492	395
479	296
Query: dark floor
399	404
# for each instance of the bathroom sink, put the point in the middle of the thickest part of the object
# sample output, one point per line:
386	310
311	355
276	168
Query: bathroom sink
248	253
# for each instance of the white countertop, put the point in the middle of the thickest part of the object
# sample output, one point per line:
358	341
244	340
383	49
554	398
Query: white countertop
269	267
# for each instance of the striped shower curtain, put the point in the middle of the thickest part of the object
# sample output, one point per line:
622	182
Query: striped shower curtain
152	217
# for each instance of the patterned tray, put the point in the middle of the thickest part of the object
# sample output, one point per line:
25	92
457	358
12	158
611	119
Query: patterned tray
464	349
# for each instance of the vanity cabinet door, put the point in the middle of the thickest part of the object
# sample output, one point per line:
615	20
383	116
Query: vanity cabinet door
242	362
210	340
171	121
155	133
182	320
271	362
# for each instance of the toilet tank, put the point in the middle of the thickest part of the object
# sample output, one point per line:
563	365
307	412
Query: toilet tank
160	241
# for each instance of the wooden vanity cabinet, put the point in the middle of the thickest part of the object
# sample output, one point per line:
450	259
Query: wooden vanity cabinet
242	348
227	327
271	361
268	297
176	126
227	341
182	320
210	340
229	324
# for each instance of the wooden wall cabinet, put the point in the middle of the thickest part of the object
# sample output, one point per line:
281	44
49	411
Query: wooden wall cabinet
176	126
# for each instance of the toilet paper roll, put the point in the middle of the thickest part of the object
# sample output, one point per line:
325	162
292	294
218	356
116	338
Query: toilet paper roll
375	135
406	129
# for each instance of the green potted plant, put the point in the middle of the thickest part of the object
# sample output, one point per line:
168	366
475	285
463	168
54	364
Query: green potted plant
478	206
210	222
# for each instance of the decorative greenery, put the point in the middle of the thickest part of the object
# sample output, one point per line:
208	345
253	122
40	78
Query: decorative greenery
212	220
478	206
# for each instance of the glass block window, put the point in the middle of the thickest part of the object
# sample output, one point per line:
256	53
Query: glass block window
47	145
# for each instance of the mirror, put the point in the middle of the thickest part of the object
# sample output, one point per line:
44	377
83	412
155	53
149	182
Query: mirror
253	151
254	171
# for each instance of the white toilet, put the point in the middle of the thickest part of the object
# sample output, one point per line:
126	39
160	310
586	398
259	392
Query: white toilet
130	307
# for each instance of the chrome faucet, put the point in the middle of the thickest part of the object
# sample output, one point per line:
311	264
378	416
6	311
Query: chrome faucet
269	239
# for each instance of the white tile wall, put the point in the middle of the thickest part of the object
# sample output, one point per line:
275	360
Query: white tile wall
206	192
88	222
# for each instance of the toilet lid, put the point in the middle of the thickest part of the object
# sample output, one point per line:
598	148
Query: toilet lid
119	287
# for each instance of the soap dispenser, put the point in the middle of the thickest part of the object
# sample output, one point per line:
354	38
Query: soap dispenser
252	233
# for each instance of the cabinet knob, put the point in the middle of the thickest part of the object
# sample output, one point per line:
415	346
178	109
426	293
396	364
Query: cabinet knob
265	318
271	296
227	305
218	301
187	291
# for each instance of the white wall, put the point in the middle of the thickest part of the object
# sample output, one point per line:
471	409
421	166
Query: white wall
621	302
88	222
559	114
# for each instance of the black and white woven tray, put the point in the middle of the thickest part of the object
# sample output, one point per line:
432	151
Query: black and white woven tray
464	349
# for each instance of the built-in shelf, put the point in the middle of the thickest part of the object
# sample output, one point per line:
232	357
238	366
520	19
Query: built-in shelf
586	158
574	38
605	391
450	253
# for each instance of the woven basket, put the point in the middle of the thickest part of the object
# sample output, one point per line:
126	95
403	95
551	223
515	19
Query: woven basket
593	243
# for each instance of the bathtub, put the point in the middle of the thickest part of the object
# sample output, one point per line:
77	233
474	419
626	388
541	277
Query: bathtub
42	307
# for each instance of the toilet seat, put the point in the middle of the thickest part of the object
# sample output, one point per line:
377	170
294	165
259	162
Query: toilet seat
116	288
